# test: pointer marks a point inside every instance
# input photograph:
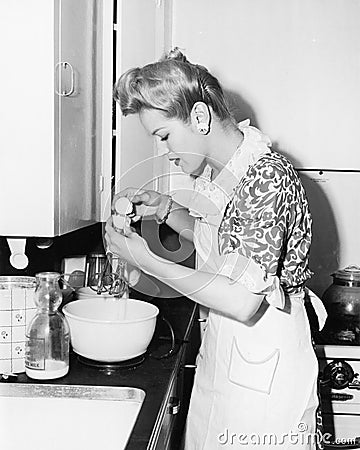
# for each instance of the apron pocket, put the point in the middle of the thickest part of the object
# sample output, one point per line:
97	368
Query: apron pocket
255	375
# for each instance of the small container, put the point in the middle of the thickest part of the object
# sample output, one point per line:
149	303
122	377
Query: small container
47	336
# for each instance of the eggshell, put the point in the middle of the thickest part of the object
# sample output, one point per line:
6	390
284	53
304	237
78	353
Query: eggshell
123	206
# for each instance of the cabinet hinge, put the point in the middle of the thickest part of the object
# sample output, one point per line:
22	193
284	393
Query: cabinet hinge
115	26
101	183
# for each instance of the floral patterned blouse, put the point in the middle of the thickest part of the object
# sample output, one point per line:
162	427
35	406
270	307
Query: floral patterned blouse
268	221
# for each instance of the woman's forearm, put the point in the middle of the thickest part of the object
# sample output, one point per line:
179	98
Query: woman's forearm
212	290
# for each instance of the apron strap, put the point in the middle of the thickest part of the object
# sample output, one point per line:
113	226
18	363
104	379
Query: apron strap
318	306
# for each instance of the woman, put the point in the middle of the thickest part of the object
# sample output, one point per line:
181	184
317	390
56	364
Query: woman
256	376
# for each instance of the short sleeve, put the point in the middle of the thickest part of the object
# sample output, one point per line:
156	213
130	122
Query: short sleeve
255	221
254	226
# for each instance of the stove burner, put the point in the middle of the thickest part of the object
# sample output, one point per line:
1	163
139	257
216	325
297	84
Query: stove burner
113	366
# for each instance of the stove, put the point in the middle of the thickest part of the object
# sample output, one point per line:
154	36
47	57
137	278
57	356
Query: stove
339	378
113	367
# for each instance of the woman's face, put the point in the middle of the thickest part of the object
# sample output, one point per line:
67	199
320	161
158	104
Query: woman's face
182	143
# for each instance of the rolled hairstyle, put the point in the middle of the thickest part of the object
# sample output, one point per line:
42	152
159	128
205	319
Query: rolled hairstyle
173	85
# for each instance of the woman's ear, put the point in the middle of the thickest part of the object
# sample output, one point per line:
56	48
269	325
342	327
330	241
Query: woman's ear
201	117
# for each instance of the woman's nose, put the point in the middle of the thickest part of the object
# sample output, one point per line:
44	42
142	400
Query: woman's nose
165	150
162	148
171	155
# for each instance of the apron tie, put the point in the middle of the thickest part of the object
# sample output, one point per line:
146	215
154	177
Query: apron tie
318	306
316	303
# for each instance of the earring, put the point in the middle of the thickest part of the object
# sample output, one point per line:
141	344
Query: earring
202	127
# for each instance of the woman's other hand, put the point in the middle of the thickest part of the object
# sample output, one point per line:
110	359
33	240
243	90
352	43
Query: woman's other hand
146	202
132	247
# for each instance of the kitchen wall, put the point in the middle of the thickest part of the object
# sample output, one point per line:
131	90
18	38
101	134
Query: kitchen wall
292	66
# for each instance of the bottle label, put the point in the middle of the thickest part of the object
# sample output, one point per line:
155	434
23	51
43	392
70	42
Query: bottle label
35	354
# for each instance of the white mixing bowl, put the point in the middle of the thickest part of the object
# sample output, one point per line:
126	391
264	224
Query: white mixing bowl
110	330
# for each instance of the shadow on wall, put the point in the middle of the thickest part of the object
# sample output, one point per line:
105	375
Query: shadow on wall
325	248
166	243
240	108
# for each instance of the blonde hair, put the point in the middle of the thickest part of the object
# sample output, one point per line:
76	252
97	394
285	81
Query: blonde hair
172	85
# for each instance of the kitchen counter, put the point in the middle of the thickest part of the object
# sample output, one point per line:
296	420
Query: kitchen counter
153	375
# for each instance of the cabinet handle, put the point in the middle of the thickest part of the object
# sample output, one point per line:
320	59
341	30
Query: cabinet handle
174	406
202	320
63	65
190	366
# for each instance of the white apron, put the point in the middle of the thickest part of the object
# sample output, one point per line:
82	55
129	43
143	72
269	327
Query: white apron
255	384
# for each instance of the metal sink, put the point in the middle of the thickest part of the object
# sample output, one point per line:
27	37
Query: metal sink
44	416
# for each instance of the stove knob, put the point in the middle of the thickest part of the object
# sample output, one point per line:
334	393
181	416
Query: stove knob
339	374
355	384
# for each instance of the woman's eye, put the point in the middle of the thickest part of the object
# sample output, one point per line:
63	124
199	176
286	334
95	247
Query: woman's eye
165	138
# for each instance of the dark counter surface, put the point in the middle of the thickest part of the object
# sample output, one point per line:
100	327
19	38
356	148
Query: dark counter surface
153	375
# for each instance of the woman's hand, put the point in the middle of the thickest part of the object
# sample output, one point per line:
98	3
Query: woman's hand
132	247
146	202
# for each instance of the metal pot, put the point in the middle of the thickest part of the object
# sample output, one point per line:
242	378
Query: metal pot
342	302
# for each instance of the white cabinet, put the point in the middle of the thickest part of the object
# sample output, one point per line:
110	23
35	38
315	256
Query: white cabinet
55	132
64	144
141	36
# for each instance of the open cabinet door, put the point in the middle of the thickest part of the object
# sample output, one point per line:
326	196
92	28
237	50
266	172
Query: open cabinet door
76	99
84	104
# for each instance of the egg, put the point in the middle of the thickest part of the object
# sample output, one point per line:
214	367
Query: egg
122	216
123	206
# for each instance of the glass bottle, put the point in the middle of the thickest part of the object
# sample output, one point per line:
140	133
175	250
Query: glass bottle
47	336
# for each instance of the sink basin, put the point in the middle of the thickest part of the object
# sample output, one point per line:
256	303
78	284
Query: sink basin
43	416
